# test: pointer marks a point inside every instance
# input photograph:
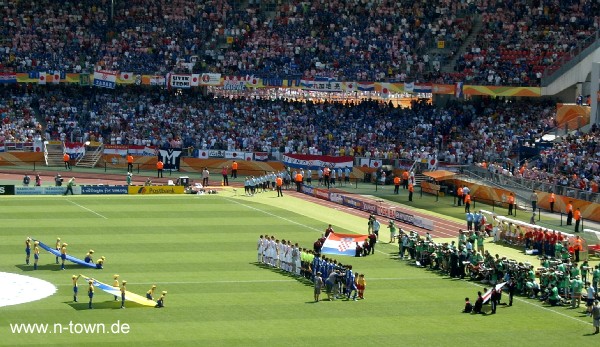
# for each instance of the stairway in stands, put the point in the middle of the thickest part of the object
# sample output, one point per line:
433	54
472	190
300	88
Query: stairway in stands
92	155
477	25
54	154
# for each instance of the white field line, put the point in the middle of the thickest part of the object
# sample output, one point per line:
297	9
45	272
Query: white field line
87	209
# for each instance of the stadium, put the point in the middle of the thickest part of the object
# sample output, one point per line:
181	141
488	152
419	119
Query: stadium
187	172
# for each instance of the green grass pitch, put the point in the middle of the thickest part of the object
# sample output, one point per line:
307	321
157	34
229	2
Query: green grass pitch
202	250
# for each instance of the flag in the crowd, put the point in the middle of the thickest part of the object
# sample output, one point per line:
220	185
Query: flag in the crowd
248	156
116	149
55	77
195	80
409	87
126	78
458	91
75	150
202	154
261	156
423	88
364	162
366	86
350	86
42	78
38	146
376	163
385	92
314	162
342	244
105	79
8	77
252	81
432	163
157	80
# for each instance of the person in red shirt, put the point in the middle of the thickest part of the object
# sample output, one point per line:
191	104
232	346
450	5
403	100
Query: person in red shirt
528	238
224	173
552	244
539	241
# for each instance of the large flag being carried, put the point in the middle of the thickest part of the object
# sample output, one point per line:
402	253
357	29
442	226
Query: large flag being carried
342	244
314	162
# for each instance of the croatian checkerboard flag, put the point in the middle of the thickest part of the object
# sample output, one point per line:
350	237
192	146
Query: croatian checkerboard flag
342	244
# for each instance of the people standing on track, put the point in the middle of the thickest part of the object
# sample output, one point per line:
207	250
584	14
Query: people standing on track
405	179
205	176
298	179
569	213
511	204
326	175
467	201
279	184
396	184
67	161
552	199
159	168
411	189
577	216
234	169
534	200
130	162
225	176
459	196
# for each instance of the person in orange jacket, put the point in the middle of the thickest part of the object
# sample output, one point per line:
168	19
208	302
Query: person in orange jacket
570	213
67	161
234	168
411	189
577	216
129	162
396	184
159	168
552	199
298	180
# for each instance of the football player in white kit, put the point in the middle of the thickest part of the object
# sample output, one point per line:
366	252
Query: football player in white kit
259	249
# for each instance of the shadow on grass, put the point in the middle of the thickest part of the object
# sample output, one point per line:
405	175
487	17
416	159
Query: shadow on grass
82	305
46	267
300	279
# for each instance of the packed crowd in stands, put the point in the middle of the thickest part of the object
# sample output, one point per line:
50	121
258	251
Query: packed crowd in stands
571	162
342	39
518	40
460	132
18	118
